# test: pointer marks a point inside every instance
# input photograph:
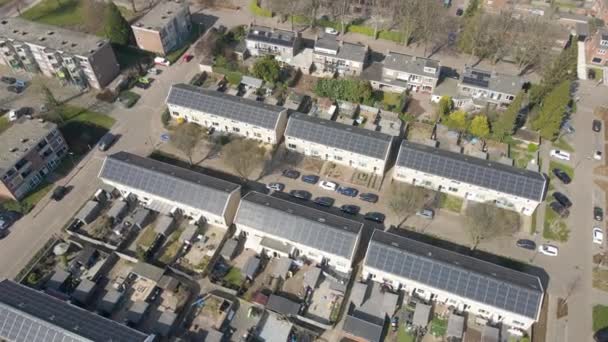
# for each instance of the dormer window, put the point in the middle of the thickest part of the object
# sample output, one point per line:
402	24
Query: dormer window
430	70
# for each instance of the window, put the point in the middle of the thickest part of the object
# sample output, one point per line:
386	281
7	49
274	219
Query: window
482	311
258	135
518	323
291	145
215	124
175	114
337	158
601	51
453	189
236	129
596	60
510	97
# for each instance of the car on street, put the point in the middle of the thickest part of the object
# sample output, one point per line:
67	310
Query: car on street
598	235
597	125
324	201
559	154
301	194
375	216
601	335
275	186
327	185
368	197
527	244
559	209
7	219
562	175
459	12
597	155
350	209
310	179
426	213
106	141
187	58
293	174
598	214
8	80
549	250
59	192
15	89
346	191
562	199
331	30
161	61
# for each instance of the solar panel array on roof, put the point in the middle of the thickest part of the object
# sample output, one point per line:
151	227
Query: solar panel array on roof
224	105
476	78
167	181
337	135
455	273
297	223
480	172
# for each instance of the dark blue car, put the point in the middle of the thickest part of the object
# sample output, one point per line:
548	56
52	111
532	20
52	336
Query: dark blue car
369	197
310	179
351	192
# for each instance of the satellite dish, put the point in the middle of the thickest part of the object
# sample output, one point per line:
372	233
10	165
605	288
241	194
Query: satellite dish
61	248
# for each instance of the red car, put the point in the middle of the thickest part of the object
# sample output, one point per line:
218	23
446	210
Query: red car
187	57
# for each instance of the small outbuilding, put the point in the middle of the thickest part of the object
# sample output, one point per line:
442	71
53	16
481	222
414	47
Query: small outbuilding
282	305
490	334
251	267
252	82
455	327
89	212
148	271
58	279
109	301
229	249
83	291
189	234
137	312
141	217
165	323
280	267
422	315
311	277
164	225
118	210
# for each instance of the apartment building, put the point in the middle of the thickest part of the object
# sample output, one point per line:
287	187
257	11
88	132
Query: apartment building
280	227
352	146
400	72
29	151
597	48
262	41
226	113
469	177
74	57
490	292
332	56
164	28
166	188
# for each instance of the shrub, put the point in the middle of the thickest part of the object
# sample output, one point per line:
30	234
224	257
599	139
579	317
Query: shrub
393	36
353	90
532	148
106	96
234	77
366	30
328	23
165	118
295	77
259	11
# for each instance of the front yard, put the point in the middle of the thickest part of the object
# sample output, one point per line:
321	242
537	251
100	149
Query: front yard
600	317
554	227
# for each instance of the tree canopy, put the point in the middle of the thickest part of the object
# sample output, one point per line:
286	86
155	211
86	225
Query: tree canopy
457	120
505	124
244	156
267	68
479	126
406	199
116	27
445	106
353	90
552	111
186	137
485	221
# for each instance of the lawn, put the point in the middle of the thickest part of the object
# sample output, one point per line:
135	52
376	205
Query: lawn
522	156
403	335
451	203
600	317
533	224
171	247
82	128
554	227
27	203
566	168
561	144
391	101
4	123
439	326
600	279
147	237
234	277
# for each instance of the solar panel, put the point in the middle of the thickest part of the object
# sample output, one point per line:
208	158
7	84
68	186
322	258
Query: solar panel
483	173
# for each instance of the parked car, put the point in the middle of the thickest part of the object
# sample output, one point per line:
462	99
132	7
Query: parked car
527	244
350	209
15	89
601	335
17	113
161	61
8	80
559	154
598	235
346	191
562	199
426	213
559	209
310	179
293	174
368	197
598	213
459	12
562	176
301	194
59	192
324	201
327	185
375	216
106	141
275	186
597	155
549	250
153	71
187	58
597	125
7	219
331	30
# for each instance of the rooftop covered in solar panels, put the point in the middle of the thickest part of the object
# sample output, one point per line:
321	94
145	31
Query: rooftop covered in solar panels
461	275
231	107
510	84
472	170
334	134
27	315
168	182
300	224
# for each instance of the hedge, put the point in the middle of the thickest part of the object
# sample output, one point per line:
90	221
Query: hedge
259	11
299	19
393	36
366	30
328	23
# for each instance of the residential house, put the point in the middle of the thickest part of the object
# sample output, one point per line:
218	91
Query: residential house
400	72
29	151
166	188
163	28
596	48
470	177
494	293
348	145
332	56
73	57
262	41
303	231
226	113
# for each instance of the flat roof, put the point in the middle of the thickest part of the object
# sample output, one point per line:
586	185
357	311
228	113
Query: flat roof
167	181
148	271
160	15
273	36
462	275
484	173
412	64
53	37
298	223
20	138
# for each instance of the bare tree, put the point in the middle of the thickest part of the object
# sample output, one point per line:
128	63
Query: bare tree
381	14
244	156
338	9
207	45
501	35
186	137
486	221
92	12
432	19
533	40
406	19
206	3
406	199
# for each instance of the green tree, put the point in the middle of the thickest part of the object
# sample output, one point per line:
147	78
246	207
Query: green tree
552	111
116	27
457	120
472	9
353	90
480	126
52	107
505	125
268	69
445	106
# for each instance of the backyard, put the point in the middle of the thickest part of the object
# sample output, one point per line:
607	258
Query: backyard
600	317
451	203
171	247
600	279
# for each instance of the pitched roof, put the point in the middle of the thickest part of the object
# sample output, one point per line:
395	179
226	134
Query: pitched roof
170	182
467	277
371	330
148	271
298	223
345	137
282	305
412	64
471	170
344	50
508	84
32	316
224	105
